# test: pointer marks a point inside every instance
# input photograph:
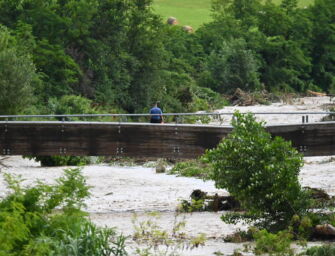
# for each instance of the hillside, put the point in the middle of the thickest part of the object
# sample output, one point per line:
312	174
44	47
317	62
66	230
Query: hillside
193	12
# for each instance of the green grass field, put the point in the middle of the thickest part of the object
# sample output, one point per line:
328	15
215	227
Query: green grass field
187	12
193	12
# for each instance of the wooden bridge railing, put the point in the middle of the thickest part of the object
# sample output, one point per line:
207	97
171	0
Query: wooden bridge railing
143	139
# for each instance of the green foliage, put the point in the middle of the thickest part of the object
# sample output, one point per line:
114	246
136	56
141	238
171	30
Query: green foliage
195	12
325	250
61	73
120	55
158	241
192	168
193	206
232	66
259	171
47	220
319	218
302	227
60	160
188	12
17	74
71	104
323	53
129	70
277	36
273	244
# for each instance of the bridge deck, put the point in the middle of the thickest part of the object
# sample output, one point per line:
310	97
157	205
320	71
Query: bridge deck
143	139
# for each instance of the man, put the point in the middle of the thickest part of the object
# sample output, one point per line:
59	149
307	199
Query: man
156	113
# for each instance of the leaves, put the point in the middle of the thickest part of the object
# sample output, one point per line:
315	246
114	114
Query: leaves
48	220
259	171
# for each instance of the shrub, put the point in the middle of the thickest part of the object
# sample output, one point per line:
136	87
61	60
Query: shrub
273	244
259	171
71	104
192	168
193	206
17	75
231	66
60	160
325	250
48	220
152	239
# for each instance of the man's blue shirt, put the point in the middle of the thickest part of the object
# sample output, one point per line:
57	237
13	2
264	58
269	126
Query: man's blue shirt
156	110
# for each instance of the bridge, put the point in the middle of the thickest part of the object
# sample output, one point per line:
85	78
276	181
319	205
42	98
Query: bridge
144	140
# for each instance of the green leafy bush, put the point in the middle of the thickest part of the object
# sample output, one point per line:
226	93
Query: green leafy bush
48	220
71	104
259	171
192	168
17	75
273	244
325	250
230	67
60	160
192	206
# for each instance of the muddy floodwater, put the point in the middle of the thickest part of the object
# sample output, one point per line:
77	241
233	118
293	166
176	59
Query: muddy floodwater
120	191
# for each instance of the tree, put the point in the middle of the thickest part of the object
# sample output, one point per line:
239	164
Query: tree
232	67
323	43
243	10
71	104
259	171
17	73
131	54
284	48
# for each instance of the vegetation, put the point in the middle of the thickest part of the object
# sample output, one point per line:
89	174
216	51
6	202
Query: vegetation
85	56
17	74
60	160
324	250
192	168
273	244
261	172
48	220
188	12
159	241
196	12
120	56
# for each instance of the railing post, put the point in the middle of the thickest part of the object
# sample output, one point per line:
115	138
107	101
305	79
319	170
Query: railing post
305	119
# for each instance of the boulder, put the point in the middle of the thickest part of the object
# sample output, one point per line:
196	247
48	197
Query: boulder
324	230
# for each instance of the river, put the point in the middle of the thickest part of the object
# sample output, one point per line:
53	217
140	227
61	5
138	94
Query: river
120	191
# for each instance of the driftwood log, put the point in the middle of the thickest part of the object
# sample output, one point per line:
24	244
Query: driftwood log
216	202
325	230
